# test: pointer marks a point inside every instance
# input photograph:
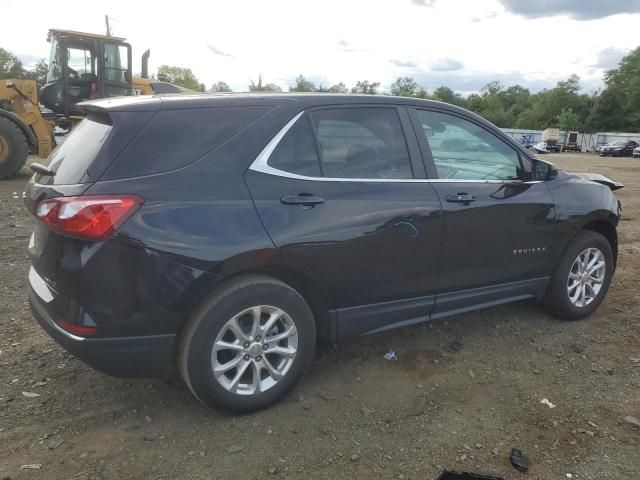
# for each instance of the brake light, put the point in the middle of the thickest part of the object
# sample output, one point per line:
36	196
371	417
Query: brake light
92	217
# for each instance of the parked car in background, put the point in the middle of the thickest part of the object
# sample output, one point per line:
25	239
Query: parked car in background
224	235
636	152
622	148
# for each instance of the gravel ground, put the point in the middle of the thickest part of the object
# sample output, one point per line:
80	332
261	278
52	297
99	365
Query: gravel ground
462	393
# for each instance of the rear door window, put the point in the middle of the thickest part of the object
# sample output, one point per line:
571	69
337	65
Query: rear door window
72	158
363	142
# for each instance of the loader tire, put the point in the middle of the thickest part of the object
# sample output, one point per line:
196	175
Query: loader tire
13	149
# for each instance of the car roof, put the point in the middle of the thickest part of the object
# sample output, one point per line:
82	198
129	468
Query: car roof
294	101
202	100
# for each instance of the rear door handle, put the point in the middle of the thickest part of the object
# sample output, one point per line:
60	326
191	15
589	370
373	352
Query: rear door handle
304	199
463	198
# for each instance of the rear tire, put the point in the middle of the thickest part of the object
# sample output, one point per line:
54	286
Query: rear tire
578	271
222	355
13	149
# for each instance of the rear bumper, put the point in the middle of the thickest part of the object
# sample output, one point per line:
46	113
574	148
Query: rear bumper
128	357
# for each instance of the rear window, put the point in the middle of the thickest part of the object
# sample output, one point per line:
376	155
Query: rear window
176	138
71	159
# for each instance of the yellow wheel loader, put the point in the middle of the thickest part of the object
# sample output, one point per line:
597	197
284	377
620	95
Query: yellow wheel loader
82	66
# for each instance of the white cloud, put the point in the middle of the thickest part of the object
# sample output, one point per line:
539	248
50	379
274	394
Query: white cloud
335	40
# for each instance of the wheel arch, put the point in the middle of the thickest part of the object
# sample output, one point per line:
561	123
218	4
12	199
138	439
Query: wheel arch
23	127
312	290
607	230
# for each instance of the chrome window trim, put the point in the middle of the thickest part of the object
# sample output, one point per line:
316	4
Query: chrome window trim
260	165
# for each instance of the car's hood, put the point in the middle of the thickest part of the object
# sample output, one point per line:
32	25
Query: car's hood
596	177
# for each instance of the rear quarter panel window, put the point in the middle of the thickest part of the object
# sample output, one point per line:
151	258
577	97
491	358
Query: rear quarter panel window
296	152
71	159
175	138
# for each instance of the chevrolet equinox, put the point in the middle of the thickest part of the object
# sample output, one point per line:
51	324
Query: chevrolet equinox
226	234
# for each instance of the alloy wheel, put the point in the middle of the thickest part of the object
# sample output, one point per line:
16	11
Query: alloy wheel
586	277
254	350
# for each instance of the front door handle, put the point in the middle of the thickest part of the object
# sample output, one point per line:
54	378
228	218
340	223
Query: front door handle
304	199
463	198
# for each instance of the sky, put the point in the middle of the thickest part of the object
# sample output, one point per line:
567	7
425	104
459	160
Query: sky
462	44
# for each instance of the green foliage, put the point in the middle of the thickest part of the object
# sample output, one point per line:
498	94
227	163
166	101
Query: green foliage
219	87
303	85
40	71
338	88
405	87
567	120
618	106
366	87
10	65
445	94
260	87
181	76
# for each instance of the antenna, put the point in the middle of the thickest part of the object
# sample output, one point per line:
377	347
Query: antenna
106	21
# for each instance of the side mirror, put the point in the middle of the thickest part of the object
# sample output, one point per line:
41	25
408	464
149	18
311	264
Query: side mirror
543	170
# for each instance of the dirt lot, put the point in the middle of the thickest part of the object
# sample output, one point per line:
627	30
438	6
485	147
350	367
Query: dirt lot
462	394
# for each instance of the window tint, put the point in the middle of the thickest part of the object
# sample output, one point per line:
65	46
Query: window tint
296	152
362	143
176	138
463	150
73	157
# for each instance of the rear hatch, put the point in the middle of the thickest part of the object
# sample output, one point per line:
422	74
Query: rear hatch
119	140
78	161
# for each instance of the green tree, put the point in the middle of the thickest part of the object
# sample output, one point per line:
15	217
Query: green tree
338	88
405	87
302	85
366	87
567	120
445	94
10	65
220	87
548	104
39	72
180	76
618	107
260	87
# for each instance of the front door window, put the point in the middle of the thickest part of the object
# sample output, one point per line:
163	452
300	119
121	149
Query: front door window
463	150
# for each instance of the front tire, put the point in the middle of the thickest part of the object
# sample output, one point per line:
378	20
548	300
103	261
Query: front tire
582	277
13	149
248	346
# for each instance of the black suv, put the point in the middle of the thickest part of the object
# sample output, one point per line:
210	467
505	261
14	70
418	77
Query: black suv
227	234
622	148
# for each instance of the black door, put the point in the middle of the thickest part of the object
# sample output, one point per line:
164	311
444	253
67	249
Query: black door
339	195
498	225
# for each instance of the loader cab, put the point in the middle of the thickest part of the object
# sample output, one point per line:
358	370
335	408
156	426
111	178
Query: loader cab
84	66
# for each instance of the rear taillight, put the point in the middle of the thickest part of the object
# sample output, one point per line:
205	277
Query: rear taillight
91	217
